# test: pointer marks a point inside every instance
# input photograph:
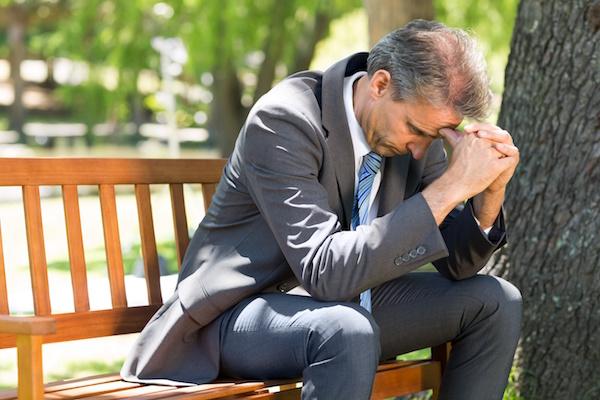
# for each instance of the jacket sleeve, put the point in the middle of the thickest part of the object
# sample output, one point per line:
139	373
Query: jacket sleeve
283	155
469	248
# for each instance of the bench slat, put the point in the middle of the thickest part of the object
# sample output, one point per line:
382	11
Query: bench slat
182	238
94	171
140	393
148	242
92	324
81	382
208	190
405	380
207	392
36	250
289	394
75	243
89	391
3	289
112	244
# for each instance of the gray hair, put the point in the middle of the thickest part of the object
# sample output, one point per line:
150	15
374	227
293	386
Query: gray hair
428	60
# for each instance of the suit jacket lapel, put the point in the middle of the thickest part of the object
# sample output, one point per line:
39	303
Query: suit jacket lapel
335	124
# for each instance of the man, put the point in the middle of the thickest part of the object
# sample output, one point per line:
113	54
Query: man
338	187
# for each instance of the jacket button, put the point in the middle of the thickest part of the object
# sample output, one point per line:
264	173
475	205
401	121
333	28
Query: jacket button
421	250
397	261
406	258
413	253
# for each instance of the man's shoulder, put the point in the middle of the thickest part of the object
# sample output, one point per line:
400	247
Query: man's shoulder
298	94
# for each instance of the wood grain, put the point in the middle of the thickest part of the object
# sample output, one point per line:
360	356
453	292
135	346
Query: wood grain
3	288
148	243
27	325
36	250
406	379
75	243
91	324
29	360
182	238
208	190
110	171
112	245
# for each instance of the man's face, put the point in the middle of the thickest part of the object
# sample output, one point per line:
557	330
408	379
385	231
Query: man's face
401	127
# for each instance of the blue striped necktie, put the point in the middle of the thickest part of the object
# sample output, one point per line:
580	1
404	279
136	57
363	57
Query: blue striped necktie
366	175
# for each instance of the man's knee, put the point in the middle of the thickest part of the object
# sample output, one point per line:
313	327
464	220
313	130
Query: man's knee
344	328
501	298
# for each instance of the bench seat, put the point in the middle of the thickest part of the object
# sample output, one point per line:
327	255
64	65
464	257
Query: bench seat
392	379
47	325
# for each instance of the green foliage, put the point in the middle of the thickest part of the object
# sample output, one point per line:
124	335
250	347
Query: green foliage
415	355
111	33
491	21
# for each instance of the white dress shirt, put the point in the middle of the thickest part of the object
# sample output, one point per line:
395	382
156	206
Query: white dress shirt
360	145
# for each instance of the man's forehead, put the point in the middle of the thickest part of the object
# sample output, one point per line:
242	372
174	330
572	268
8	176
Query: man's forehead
430	119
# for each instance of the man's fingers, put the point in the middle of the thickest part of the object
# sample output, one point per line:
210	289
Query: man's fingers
497	135
508	150
479	126
451	136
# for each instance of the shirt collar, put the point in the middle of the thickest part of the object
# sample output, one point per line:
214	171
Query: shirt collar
359	142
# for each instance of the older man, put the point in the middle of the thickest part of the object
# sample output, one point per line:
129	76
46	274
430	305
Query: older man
337	189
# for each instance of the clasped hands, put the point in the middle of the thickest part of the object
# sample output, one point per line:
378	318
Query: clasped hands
484	157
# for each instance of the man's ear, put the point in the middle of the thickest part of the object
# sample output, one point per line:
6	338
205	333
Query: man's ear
380	83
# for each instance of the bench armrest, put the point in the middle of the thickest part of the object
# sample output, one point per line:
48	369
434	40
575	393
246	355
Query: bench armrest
27	325
29	332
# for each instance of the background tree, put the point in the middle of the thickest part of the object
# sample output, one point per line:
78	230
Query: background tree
245	45
19	18
387	15
551	105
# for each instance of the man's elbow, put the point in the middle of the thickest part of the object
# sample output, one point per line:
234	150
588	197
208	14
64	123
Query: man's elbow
455	272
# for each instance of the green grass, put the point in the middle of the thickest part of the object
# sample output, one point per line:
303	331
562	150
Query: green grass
77	369
96	259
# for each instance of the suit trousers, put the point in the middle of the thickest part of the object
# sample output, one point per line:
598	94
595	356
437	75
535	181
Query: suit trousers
336	346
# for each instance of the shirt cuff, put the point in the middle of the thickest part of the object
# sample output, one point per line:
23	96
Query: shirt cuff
486	231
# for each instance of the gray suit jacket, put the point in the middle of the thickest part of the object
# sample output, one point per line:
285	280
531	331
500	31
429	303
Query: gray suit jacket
281	216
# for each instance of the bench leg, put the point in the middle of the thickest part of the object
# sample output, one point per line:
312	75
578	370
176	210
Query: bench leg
440	353
29	361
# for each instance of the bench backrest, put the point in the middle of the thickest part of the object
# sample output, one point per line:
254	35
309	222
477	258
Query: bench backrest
69	173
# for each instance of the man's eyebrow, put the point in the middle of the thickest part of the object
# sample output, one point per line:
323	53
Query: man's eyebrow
420	131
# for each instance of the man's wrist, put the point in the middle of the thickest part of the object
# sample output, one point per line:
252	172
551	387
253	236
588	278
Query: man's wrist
441	197
487	206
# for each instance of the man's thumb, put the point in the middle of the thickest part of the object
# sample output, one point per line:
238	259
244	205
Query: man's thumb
450	135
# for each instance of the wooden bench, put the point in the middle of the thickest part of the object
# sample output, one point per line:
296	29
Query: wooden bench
28	334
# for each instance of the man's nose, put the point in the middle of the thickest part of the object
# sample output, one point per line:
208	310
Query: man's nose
416	151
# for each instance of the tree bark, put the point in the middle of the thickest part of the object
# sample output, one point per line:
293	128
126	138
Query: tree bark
551	105
386	15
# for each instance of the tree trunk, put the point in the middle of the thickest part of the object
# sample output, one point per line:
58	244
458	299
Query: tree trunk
227	113
387	15
551	106
17	25
273	47
313	32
